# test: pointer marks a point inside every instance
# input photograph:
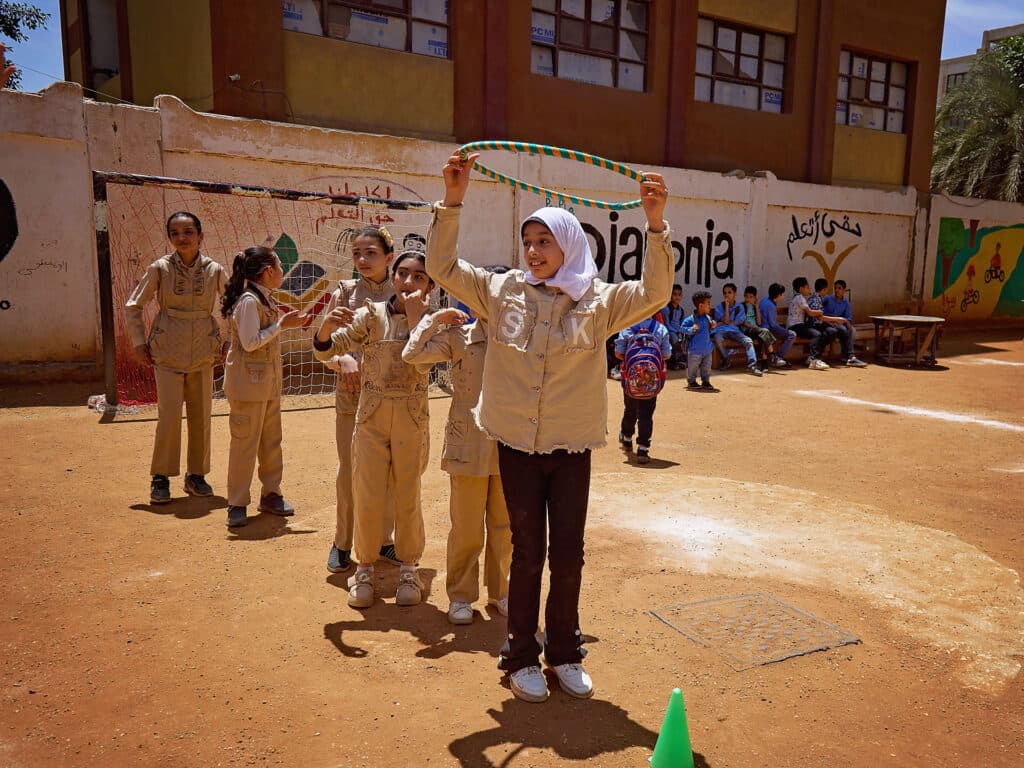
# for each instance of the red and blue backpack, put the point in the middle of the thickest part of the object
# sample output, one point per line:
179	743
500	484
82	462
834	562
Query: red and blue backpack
643	367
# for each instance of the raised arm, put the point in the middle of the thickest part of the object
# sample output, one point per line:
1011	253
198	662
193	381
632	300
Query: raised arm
342	340
429	342
630	302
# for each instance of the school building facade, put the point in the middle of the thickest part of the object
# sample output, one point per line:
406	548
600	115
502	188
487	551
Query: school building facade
822	91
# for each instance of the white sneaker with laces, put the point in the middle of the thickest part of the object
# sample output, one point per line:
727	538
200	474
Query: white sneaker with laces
360	593
528	684
460	612
574	680
501	606
410	590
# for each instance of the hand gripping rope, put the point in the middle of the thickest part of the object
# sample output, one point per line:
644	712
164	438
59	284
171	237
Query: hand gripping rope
566	154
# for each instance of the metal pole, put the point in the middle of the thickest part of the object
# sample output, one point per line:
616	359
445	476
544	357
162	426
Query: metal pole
106	289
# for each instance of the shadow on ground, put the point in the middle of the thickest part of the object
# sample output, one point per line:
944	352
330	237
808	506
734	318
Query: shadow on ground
187	508
573	729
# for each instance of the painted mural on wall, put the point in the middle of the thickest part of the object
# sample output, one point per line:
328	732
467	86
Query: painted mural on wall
979	270
8	230
816	238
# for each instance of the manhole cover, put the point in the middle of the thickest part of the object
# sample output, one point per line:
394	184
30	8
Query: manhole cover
753	629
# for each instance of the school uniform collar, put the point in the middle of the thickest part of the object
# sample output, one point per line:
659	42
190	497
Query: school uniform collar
375	289
195	268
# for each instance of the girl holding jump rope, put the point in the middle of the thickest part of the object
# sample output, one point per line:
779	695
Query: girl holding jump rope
544	400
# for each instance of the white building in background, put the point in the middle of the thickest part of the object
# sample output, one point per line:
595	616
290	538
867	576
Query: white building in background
953	71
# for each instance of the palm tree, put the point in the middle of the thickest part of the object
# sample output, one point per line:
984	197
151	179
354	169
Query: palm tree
979	130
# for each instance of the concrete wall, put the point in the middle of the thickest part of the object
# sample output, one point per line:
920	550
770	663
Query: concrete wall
725	229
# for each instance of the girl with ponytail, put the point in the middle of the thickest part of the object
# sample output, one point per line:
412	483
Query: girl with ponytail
183	344
252	381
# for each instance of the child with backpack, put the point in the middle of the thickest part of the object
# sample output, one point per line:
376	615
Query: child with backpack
643	349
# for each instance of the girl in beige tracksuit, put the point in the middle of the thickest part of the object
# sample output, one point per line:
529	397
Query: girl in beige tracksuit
544	399
470	457
372	253
184	343
390	444
252	381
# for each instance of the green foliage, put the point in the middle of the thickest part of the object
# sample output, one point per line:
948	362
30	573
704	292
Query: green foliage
15	19
979	130
952	235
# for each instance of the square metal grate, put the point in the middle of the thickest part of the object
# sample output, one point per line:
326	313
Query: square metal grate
753	629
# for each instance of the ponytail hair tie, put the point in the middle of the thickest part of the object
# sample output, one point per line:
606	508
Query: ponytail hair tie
387	237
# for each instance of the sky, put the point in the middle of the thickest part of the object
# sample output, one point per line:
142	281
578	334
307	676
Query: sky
965	21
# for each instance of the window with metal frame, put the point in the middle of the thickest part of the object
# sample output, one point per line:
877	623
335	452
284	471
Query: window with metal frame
740	66
417	26
601	42
871	92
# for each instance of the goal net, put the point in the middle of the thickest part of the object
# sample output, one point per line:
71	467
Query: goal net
310	232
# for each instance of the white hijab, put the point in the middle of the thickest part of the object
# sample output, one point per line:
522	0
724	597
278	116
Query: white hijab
578	271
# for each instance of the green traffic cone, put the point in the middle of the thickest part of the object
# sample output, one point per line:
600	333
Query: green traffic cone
673	748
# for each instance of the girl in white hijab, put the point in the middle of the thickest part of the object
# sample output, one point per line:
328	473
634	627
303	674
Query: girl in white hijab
544	399
578	270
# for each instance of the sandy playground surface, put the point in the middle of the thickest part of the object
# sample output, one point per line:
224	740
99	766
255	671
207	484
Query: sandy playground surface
885	501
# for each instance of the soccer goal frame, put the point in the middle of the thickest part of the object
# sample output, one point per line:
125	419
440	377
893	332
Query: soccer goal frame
105	181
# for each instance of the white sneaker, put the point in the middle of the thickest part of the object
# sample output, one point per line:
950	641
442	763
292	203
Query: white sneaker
818	365
528	684
574	680
856	362
360	593
410	590
460	613
501	606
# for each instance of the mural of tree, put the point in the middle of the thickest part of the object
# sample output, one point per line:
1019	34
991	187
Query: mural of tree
952	238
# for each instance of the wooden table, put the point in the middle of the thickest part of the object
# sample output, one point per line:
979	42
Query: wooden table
926	338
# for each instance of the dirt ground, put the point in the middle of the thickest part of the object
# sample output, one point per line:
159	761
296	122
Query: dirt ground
885	501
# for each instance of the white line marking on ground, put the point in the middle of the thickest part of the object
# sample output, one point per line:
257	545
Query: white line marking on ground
984	361
960	418
1017	471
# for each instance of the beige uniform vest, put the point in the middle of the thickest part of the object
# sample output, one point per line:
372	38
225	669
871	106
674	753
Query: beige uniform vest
256	375
355	294
185	335
382	335
467	449
545	374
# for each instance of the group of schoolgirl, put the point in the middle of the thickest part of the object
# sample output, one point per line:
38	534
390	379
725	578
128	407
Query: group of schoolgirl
196	300
530	404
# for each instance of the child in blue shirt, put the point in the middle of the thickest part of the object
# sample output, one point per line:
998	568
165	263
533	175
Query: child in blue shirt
770	320
837	306
697	328
639	414
673	315
729	316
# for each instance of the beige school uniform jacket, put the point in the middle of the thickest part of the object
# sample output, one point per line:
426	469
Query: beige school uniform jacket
544	384
382	334
185	336
254	374
354	294
467	449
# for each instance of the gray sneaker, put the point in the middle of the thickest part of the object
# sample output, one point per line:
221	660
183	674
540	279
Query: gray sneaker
856	362
339	561
237	517
275	504
196	485
159	490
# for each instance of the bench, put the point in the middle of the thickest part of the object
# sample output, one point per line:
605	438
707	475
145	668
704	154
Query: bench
863	334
